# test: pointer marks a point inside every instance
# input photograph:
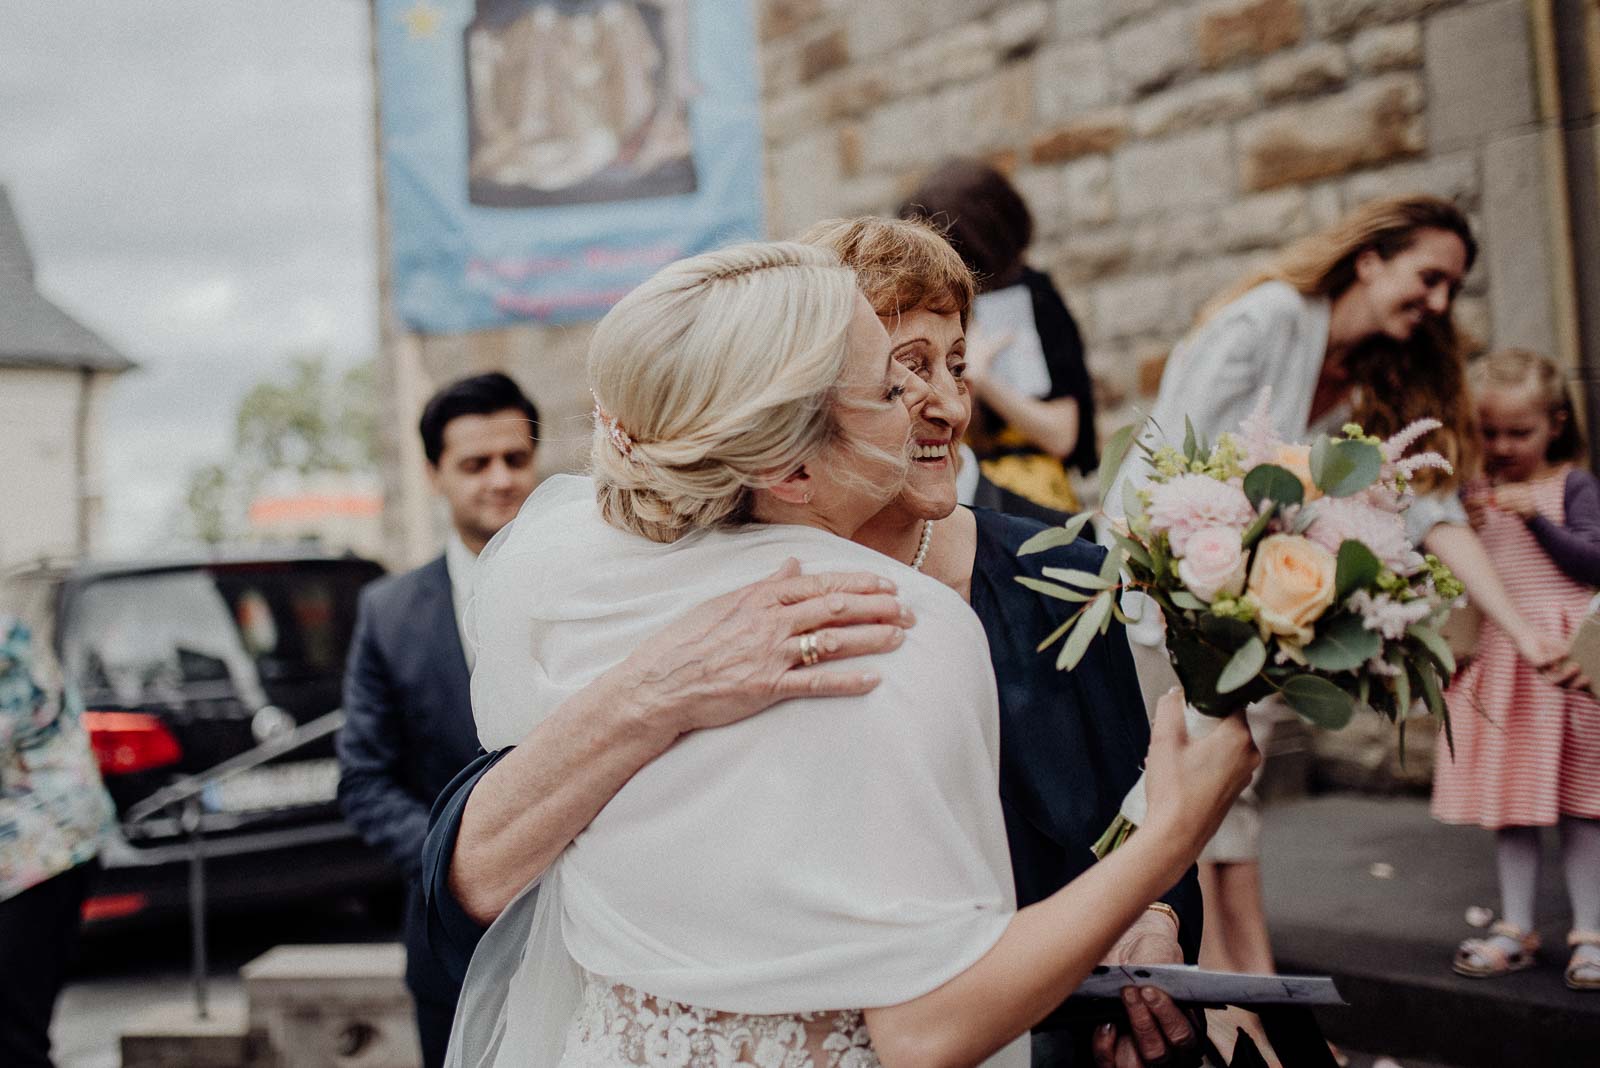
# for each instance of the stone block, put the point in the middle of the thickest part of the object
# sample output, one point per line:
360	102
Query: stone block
780	18
850	136
1131	306
1266	220
1480	73
852	93
1375	121
1454	177
1516	243
1338	18
1325	205
959	55
823	54
1080	18
1197	284
904	132
780	69
1071	77
1041	191
998	108
1020	27
1318	69
1151	53
785	116
334	1005
1195	103
872	194
1086	194
171	1036
1093	254
1244	29
1188	170
804	176
875	37
1386	48
1161	242
1090	134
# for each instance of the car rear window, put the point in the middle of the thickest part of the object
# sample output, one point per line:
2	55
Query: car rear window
160	637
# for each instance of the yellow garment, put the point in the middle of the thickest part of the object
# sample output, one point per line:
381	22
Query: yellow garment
1033	475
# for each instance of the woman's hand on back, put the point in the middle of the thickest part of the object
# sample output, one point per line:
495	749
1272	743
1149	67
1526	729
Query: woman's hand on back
1190	783
745	651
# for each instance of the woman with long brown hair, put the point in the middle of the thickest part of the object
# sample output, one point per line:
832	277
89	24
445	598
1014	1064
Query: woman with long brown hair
1349	324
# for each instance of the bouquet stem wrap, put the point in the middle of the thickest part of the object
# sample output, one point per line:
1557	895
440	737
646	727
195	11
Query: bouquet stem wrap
1132	814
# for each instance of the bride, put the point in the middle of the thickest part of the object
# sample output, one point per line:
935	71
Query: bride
827	883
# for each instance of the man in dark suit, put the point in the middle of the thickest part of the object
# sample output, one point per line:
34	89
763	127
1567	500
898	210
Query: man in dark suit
409	725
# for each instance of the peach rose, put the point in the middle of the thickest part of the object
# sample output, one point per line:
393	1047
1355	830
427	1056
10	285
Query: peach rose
1296	459
1292	584
1213	564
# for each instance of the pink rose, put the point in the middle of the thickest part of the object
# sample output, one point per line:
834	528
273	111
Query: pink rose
1213	564
1191	503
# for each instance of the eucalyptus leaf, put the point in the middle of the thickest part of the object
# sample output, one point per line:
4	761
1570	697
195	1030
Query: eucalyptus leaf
1050	589
1431	695
1319	700
1055	635
1356	569
1402	684
1191	447
1116	451
1343	644
1087	580
1243	667
1134	550
1228	633
1055	537
1253	532
1111	566
1269	482
1185	599
1089	621
1341	468
1435	644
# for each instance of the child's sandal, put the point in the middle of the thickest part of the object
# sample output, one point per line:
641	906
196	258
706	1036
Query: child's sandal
1583	971
1484	958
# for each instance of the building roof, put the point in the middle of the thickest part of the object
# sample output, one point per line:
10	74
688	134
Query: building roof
33	331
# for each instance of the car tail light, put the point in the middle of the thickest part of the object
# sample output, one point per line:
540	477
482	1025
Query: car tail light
113	906
125	742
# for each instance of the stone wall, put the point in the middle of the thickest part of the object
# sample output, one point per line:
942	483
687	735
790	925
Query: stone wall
1165	145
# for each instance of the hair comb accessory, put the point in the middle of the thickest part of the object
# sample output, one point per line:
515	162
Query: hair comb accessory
620	438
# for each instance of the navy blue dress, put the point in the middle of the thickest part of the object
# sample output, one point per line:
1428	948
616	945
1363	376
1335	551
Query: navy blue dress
1071	742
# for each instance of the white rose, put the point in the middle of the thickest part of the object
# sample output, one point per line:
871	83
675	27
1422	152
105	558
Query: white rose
1213	564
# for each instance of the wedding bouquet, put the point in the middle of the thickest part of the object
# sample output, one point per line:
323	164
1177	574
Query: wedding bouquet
1279	569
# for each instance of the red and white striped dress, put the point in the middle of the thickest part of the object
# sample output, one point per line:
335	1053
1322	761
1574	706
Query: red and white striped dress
1526	752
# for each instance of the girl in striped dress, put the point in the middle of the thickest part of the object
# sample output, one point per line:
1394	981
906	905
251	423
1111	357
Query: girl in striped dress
1527	751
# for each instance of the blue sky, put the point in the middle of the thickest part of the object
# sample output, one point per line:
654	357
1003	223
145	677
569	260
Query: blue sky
195	180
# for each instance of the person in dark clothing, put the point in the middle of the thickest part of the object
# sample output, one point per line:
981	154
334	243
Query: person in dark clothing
1034	417
408	708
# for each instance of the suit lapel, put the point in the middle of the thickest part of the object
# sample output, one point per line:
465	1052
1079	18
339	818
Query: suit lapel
445	637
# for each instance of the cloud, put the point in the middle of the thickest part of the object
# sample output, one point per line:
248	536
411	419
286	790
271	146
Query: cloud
195	180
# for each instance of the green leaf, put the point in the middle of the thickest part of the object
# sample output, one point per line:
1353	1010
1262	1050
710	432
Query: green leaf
1253	532
1086	580
1050	589
1364	689
1342	468
1191	447
1077	642
1244	665
1274	483
1228	633
1065	534
1185	599
1111	566
1343	644
1436	646
1056	634
1135	551
1116	451
1319	700
1401	684
1428	675
1356	569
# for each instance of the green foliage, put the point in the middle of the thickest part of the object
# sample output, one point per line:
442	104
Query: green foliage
1319	701
1344	468
1274	483
1115	453
1246	663
1055	537
1343	644
1356	568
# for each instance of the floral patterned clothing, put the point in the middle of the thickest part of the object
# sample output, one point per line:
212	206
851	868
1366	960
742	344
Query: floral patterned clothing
53	807
619	1026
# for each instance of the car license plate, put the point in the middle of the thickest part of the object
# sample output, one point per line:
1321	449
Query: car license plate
306	782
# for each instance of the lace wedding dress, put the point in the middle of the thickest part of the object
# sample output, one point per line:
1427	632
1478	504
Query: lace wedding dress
619	1026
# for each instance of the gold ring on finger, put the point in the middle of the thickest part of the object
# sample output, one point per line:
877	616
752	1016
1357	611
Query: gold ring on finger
808	650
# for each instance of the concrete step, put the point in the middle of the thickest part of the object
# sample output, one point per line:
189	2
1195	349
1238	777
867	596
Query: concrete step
1376	894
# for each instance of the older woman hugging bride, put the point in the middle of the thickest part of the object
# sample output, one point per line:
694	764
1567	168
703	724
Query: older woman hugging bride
828	876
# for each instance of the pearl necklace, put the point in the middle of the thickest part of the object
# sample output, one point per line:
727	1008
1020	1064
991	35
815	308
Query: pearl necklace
922	547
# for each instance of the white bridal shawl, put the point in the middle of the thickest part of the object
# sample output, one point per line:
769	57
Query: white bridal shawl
825	854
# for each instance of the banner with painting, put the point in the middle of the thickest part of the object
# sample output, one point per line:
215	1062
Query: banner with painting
542	157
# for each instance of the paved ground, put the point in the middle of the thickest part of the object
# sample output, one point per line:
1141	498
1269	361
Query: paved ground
1372	891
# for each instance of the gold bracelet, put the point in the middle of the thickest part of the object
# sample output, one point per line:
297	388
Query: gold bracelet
1168	911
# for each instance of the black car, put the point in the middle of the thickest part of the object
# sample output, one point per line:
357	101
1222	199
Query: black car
185	668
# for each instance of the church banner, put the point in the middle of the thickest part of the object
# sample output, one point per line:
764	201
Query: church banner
543	157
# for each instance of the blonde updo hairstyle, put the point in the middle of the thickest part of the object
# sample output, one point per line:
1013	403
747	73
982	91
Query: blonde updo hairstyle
720	375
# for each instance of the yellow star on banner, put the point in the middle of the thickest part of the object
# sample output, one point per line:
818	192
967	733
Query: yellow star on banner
422	20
